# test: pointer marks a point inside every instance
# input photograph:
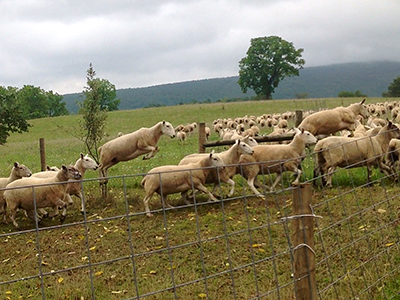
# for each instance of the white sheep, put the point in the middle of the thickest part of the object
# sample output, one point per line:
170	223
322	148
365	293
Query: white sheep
393	154
18	171
181	136
83	163
269	159
347	152
45	192
333	120
230	159
132	145
171	179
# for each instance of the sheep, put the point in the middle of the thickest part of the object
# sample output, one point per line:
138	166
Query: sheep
84	163
268	159
18	171
393	154
171	179
347	152
330	121
32	193
132	145
229	157
181	136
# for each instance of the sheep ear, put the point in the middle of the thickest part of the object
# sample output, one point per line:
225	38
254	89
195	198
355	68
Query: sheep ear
63	167
82	156
296	130
163	122
362	102
16	164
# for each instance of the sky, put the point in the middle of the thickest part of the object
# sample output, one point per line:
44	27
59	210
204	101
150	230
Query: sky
132	43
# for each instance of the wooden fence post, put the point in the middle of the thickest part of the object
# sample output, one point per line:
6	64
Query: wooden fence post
42	154
202	137
299	117
303	243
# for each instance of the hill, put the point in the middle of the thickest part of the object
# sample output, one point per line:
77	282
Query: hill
371	78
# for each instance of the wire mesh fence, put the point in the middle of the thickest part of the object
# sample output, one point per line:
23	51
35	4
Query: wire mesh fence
240	247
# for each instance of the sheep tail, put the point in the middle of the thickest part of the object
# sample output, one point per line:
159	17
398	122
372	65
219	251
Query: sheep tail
143	181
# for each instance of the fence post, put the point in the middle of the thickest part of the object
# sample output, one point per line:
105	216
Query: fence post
299	117
202	137
303	243
42	154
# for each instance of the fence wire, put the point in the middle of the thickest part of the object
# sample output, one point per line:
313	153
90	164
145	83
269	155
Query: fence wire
239	247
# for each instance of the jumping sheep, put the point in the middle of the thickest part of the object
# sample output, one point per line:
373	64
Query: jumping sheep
132	145
46	192
229	157
269	159
330	121
171	179
347	152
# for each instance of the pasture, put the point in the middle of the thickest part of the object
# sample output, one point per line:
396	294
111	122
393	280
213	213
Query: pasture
237	248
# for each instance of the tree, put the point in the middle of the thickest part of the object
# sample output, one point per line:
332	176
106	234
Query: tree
12	117
393	89
94	114
56	106
33	100
269	60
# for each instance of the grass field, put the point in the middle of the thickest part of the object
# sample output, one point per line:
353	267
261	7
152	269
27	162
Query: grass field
236	248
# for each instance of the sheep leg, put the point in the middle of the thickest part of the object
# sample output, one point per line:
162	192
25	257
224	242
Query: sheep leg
329	176
31	215
184	198
146	200
164	201
203	189
13	214
296	182
232	183
54	212
152	152
250	182
63	209
278	178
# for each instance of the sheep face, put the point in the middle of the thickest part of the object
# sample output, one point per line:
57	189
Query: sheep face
244	148
88	163
70	172
308	137
168	129
21	170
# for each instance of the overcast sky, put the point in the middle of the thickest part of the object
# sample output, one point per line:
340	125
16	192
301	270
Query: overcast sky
131	43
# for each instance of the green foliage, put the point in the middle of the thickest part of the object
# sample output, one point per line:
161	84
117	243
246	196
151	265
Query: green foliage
37	103
346	94
269	60
301	95
94	113
393	89
12	117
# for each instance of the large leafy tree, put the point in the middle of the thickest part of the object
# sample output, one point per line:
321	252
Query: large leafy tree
393	89
33	100
269	60
12	117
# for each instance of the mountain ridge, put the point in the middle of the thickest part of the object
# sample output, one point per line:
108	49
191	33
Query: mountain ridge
370	78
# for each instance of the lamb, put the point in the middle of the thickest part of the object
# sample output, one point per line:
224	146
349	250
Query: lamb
18	171
181	136
132	145
346	152
230	158
171	179
330	121
45	192
268	159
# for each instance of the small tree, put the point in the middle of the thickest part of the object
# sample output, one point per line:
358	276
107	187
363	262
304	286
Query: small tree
94	117
269	60
12	118
393	89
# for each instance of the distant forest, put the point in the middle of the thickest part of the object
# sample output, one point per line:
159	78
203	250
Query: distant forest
371	79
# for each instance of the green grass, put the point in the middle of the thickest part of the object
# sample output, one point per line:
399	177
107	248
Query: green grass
215	249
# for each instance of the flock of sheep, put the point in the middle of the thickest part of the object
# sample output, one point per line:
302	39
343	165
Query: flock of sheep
364	140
